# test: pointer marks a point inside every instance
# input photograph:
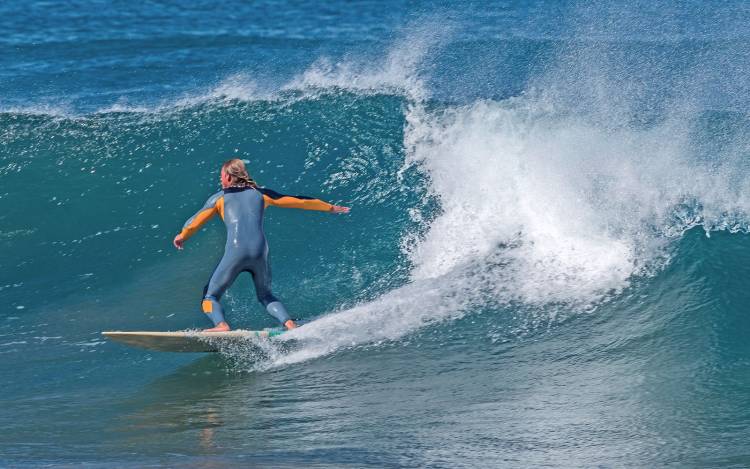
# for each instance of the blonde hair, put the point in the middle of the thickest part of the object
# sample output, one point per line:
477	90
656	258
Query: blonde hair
239	176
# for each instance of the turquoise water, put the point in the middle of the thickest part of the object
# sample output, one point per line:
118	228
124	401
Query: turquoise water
545	263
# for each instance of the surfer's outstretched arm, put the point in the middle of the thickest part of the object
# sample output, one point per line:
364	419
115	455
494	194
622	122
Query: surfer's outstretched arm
212	206
276	199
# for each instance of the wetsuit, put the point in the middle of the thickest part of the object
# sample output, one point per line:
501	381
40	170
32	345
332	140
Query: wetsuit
246	249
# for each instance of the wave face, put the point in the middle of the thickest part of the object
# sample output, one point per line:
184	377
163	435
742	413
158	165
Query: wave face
545	257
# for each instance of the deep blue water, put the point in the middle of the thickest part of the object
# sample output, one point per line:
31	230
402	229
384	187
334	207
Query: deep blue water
545	263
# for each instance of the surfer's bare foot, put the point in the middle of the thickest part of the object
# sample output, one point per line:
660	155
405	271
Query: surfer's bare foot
221	327
290	324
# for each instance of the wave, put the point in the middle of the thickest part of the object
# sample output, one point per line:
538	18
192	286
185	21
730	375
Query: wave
553	202
541	211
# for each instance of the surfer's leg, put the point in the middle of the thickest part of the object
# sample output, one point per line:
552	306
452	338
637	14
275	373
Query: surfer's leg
224	275
261	272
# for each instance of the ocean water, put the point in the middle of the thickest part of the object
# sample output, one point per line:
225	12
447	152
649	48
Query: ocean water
546	261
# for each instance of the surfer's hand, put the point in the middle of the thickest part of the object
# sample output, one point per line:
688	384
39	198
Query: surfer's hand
339	209
178	241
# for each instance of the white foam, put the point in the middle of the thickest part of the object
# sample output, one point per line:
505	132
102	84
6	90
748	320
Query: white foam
123	106
401	69
397	73
236	87
389	317
505	176
587	207
56	110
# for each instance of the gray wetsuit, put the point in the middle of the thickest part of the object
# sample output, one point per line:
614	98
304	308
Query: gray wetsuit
246	249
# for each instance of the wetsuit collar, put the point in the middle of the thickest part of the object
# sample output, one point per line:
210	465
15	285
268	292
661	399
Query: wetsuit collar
236	189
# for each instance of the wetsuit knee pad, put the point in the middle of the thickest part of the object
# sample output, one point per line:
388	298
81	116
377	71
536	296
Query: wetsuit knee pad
213	310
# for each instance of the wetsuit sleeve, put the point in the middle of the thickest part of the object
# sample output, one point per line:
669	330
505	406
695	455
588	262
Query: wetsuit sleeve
209	209
293	201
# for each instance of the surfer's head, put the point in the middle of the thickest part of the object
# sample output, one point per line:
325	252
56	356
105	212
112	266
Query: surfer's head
234	174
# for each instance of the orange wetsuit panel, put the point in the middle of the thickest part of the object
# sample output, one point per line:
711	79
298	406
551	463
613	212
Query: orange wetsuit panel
214	205
293	201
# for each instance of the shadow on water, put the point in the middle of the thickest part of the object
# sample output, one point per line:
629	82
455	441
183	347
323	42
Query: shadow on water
190	401
212	415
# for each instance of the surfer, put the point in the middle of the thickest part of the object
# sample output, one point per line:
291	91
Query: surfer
241	204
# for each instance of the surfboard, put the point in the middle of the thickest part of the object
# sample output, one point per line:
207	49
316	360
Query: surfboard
188	341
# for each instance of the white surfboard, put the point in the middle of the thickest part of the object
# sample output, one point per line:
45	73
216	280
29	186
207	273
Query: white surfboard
187	341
